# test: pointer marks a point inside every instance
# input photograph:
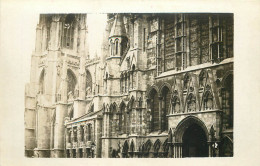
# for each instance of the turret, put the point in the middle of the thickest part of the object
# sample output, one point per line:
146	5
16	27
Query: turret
117	38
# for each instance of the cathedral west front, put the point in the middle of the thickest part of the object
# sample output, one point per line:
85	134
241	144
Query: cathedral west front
162	87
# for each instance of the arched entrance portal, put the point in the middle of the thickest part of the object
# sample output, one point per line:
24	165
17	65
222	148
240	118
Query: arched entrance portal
194	142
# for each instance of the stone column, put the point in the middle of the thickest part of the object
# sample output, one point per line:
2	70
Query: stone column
98	135
61	113
160	112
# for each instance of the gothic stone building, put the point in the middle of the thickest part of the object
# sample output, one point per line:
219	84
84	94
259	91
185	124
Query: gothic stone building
162	87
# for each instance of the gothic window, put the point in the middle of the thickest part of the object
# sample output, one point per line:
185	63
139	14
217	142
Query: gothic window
117	47
147	148
154	111
216	45
226	148
88	83
89	132
191	103
227	101
156	147
69	135
71	84
82	133
126	88
42	86
180	40
75	138
132	149
111	47
176	105
122	83
68	32
165	107
207	101
203	78
113	119
123	118
125	150
131	119
186	81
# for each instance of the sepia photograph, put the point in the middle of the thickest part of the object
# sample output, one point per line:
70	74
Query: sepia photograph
123	83
155	85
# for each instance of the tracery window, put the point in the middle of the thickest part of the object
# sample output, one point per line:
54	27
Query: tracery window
71	84
154	111
88	83
180	40
117	46
123	119
191	103
165	107
113	120
126	88
42	85
68	32
227	100
156	147
216	41
122	83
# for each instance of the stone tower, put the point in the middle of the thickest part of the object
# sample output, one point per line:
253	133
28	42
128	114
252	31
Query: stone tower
57	77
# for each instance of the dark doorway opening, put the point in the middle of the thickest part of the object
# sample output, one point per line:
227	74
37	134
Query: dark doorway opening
80	153
194	142
74	153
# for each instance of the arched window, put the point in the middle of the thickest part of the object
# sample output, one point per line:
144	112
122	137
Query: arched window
116	46
113	119
68	32
156	147
111	48
125	150
191	103
75	138
154	111
226	147
123	123
71	84
165	148
207	101
147	148
186	81
122	83
88	83
227	100
42	85
82	133
131	106
165	107
203	78
126	82
132	149
176	105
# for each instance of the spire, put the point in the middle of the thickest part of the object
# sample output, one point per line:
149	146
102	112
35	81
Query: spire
118	28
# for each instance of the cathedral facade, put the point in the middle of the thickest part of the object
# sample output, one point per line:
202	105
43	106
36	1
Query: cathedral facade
162	87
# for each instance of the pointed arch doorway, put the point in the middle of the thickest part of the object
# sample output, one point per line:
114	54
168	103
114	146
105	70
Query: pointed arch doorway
194	142
191	138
